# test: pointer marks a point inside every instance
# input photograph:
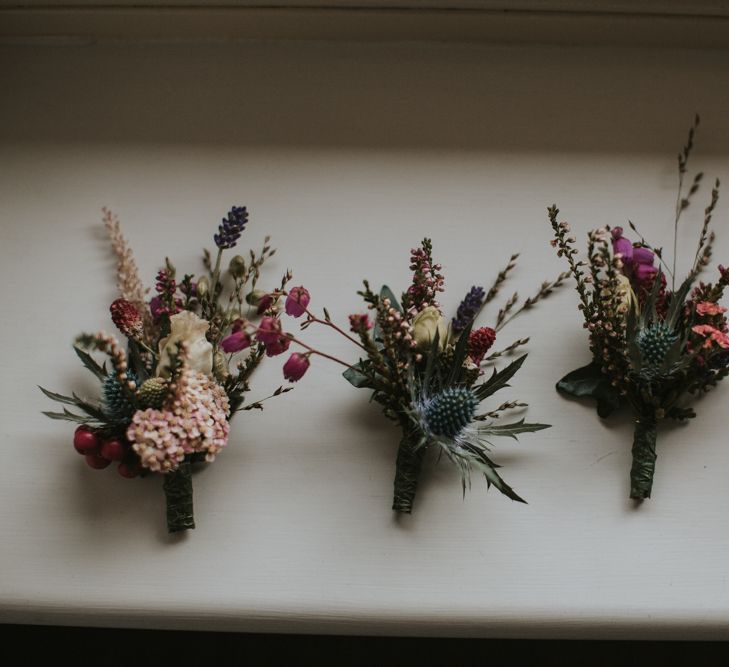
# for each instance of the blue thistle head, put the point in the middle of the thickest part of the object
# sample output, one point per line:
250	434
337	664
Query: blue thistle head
468	309
450	411
116	403
654	342
231	227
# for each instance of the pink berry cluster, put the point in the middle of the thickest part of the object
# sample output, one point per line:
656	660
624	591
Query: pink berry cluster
100	452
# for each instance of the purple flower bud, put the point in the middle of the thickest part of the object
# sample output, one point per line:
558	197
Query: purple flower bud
644	271
295	367
235	342
622	245
297	301
643	256
269	330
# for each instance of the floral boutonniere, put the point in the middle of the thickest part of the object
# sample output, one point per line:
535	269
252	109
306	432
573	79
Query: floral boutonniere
426	371
169	391
655	342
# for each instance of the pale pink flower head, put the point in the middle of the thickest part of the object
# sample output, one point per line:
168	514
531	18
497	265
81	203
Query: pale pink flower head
295	367
709	308
297	301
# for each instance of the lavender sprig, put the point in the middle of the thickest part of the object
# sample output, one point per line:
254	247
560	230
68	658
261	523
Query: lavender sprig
468	309
231	227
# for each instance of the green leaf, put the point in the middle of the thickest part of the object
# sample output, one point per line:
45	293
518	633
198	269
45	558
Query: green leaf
356	378
60	398
589	381
94	411
482	463
511	430
498	380
433	359
69	416
89	362
677	299
649	307
459	355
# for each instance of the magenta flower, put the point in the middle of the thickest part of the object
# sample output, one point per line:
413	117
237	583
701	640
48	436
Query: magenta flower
297	301
279	346
235	342
264	304
295	367
270	334
269	330
622	245
642	255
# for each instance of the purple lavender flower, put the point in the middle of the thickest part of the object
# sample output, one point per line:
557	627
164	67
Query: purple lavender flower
468	309
231	227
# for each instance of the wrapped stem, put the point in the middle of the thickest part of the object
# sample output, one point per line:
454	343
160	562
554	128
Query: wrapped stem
407	471
178	493
644	458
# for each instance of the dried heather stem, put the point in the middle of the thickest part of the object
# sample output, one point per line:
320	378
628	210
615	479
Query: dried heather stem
507	350
545	290
503	274
494	414
128	282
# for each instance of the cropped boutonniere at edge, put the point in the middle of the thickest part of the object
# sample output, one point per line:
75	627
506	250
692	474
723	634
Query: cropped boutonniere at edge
425	371
169	391
655	342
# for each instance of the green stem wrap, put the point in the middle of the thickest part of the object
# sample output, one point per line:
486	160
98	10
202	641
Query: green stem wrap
644	458
178	493
407	470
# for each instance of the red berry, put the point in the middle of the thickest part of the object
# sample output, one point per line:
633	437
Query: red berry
86	441
128	470
113	450
97	462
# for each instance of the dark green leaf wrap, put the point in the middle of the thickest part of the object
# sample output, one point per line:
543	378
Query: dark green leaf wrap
178	493
407	471
644	458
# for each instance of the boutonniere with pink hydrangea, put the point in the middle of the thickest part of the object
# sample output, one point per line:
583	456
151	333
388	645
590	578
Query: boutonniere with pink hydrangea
426	371
169	389
656	342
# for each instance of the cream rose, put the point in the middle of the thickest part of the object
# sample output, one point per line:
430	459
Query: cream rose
426	323
628	300
188	328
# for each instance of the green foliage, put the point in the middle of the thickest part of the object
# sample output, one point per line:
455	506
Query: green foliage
590	382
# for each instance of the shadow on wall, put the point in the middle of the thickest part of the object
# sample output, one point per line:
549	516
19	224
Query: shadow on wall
370	96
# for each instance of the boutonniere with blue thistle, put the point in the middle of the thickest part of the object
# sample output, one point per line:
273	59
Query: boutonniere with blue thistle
428	373
656	342
170	389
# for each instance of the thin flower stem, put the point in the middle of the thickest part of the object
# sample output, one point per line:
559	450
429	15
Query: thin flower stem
318	352
328	323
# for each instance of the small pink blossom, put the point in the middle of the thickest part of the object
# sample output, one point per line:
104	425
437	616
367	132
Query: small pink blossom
295	367
709	308
236	341
264	304
359	323
711	334
269	330
271	335
297	301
